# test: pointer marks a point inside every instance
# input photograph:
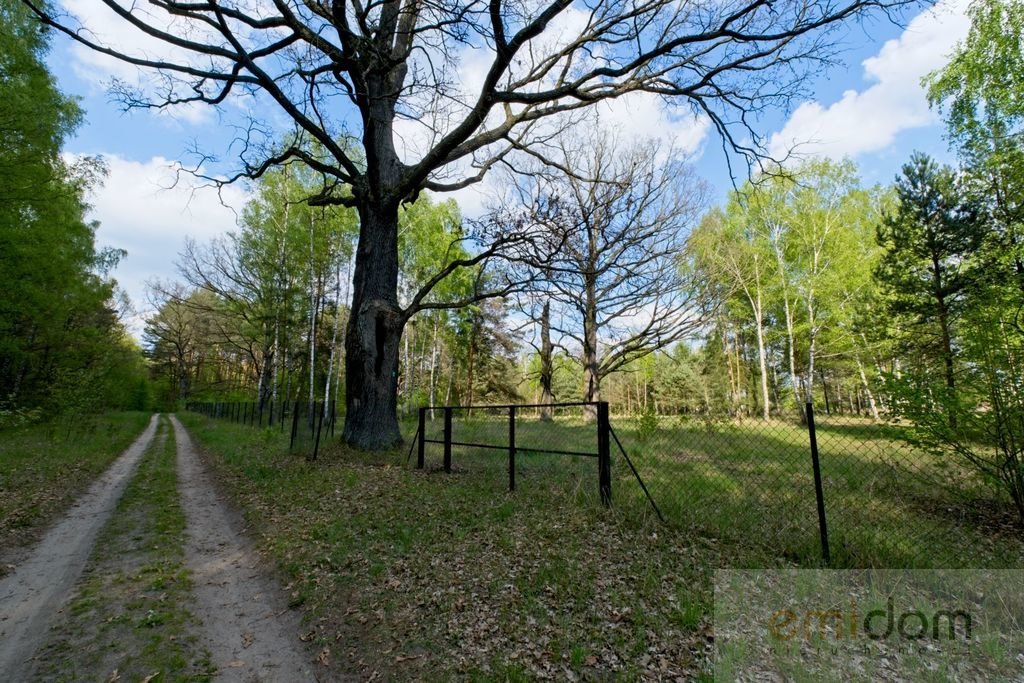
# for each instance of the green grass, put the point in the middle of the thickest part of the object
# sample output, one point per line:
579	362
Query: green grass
422	574
426	575
887	505
44	467
130	613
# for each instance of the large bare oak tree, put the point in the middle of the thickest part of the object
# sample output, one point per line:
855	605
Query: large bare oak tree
460	86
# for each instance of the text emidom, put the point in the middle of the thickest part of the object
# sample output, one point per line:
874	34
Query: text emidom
877	624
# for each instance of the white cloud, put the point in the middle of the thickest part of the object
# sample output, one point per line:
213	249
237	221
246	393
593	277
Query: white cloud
142	210
870	119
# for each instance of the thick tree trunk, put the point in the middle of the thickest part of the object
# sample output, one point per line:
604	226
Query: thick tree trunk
546	363
591	368
374	333
313	305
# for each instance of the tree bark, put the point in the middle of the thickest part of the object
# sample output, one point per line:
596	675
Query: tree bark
313	305
546	364
374	333
591	370
755	303
433	371
334	340
867	390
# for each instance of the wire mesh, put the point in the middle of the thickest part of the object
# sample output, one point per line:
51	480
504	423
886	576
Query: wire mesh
555	447
745	481
309	425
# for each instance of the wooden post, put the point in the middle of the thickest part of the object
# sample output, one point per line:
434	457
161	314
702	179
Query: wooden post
421	438
604	460
447	439
511	448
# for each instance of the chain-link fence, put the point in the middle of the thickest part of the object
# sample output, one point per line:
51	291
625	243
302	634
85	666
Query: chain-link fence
308	423
839	489
552	448
868	499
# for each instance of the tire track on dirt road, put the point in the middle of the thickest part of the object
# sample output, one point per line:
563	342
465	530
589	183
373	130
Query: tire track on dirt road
32	596
247	625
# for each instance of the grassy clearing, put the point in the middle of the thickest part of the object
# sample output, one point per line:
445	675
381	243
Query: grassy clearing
129	618
425	575
421	574
887	505
44	467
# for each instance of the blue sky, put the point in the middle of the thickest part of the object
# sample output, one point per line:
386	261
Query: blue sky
871	108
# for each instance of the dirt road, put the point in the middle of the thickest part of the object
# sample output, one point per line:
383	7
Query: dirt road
32	596
247	625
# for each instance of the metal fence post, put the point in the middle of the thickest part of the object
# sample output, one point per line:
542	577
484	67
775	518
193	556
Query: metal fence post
447	439
819	492
604	460
511	448
421	438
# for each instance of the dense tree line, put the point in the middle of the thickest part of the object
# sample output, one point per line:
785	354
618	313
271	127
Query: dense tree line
62	344
260	313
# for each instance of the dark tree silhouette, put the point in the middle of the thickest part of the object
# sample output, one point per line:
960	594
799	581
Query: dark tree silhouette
345	69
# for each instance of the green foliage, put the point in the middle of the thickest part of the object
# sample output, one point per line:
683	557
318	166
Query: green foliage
647	425
59	333
925	270
981	94
789	259
981	423
927	238
980	88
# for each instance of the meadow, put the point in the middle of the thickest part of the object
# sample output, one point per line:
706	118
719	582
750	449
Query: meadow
451	575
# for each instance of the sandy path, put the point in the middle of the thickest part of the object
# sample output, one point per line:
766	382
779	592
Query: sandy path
247	626
32	596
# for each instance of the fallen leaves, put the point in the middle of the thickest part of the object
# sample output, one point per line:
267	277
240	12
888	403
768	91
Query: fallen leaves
411	576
